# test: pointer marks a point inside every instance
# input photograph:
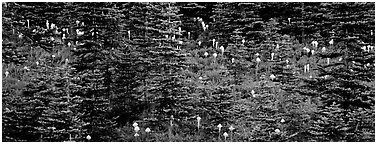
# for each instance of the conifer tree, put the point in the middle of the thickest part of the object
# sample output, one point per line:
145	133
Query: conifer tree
95	52
344	86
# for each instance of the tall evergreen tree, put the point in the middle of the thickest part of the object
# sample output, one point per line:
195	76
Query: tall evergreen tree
95	58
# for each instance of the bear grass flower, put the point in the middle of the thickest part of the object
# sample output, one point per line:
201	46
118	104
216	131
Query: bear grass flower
147	130
136	129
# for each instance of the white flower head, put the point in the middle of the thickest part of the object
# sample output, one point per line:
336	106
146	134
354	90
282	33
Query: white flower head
136	129
206	54
277	131
198	118
136	135
135	124
225	134
219	126
258	60
272	76
231	128
147	130
282	120
88	137
323	49
331	42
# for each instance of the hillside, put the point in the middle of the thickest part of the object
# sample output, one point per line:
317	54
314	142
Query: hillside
203	72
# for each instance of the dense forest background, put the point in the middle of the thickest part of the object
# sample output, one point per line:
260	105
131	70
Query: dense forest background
264	71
